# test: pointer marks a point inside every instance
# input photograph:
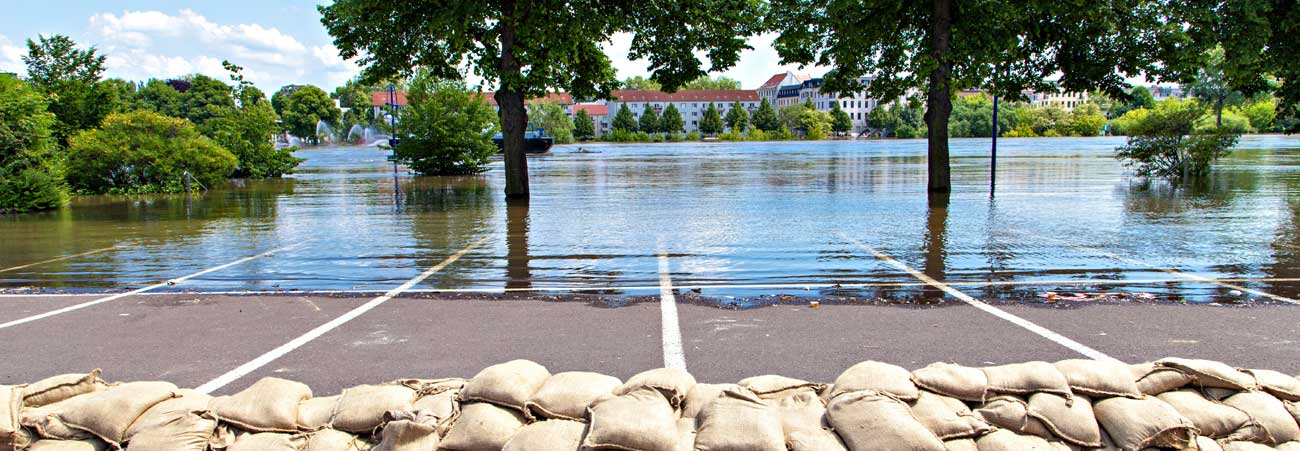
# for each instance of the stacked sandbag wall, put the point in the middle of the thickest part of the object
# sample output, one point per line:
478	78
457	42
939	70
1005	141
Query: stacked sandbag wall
520	406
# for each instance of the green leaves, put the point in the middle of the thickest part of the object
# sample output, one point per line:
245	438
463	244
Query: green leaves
711	121
305	108
144	152
448	129
623	120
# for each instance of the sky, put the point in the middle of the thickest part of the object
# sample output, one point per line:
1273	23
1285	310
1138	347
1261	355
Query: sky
278	42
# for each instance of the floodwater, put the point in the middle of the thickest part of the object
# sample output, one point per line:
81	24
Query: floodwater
740	220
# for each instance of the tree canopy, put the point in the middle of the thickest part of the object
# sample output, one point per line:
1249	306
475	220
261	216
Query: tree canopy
305	108
623	119
711	120
583	126
737	117
450	128
649	122
765	117
671	121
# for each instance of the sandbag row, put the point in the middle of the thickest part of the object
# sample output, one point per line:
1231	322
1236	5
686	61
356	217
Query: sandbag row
520	406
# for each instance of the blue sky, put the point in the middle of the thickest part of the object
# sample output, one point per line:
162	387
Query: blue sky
277	41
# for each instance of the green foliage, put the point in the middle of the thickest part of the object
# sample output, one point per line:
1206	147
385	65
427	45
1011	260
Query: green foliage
29	189
161	98
623	120
1086	120
737	118
305	108
553	119
584	127
450	128
640	83
70	78
692	136
245	131
711	121
1258	42
1262	115
906	131
281	98
1231	122
885	120
1165	144
649	120
782	133
790	116
26	149
814	124
756	134
671	121
765	117
206	98
142	152
708	83
840	120
1212	86
1139	97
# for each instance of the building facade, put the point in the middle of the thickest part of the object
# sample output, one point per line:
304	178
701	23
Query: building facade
599	113
691	104
1064	100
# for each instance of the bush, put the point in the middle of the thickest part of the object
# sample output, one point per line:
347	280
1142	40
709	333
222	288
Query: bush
1129	121
674	137
26	147
1232	123
449	128
756	135
29	189
693	136
1262	115
732	135
141	152
907	132
243	131
1166	144
658	138
641	137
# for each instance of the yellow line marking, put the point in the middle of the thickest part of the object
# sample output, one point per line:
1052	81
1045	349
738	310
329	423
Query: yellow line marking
65	257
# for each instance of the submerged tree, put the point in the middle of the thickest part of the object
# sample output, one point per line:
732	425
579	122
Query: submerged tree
529	48
450	128
1163	143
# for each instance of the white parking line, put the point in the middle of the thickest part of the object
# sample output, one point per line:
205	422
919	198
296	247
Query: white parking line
1024	323
65	257
674	357
272	355
140	290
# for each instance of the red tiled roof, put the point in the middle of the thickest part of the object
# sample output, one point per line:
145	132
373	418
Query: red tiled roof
562	98
592	109
721	95
381	98
774	82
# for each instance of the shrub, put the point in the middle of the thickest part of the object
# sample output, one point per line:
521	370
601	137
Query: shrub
756	134
693	136
1232	123
732	135
641	137
142	152
906	132
450	128
1166	144
29	189
674	137
26	147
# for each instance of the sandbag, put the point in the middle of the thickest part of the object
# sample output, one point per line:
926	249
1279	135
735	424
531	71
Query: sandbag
68	445
407	435
1004	440
1284	387
109	413
268	441
773	386
507	384
948	418
1134	424
361	409
739	421
58	388
443	404
1012	413
186	401
11	409
1204	443
1208	373
173	425
1269	413
686	434
1099	378
1288	446
803	421
46	424
1213	419
868	420
334	440
673	383
548	435
269	405
701	395
1027	378
875	376
961	444
1244	446
566	396
640	420
1072	422
964	383
1153	380
20	439
482	426
317	413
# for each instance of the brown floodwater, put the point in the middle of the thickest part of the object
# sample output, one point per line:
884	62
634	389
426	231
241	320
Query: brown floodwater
741	221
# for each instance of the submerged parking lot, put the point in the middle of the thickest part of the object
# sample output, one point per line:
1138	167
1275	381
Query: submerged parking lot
333	278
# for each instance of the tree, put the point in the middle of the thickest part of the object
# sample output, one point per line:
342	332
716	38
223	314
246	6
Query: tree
281	97
552	117
884	120
712	84
639	83
583	126
840	120
1086	120
69	77
1007	47
1139	97
243	125
206	98
1211	86
623	120
305	109
815	124
1164	144
671	121
711	122
27	177
529	48
649	122
737	117
1258	42
765	117
161	98
141	152
450	128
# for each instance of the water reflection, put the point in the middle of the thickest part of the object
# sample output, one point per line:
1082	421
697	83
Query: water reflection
518	273
936	241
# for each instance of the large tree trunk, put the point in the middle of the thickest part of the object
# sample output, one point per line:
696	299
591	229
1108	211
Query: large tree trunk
514	119
938	99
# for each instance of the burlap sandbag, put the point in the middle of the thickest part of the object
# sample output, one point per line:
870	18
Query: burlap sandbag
875	376
548	435
507	384
1288	446
1027	378
334	440
317	413
673	383
868	420
964	383
1244	446
701	395
361	409
962	444
1208	373
773	386
482	426
11	410
803	420
947	417
1012	413
174	425
407	435
443	405
1072	422
269	405
1213	419
58	388
1204	443
1270	413
1282	386
566	396
109	414
46	423
1099	378
739	421
20	439
1004	440
686	434
1153	380
1134	424
269	441
640	420
68	445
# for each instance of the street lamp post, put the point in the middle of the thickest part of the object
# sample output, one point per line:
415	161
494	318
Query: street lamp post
993	163
392	139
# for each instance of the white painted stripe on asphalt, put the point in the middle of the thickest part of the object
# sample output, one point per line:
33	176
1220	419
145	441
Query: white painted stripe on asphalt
65	257
674	357
140	290
272	355
1024	323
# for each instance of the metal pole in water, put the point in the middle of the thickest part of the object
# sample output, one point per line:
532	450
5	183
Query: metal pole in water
392	140
993	163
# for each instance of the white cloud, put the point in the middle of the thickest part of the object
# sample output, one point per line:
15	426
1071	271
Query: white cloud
11	56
